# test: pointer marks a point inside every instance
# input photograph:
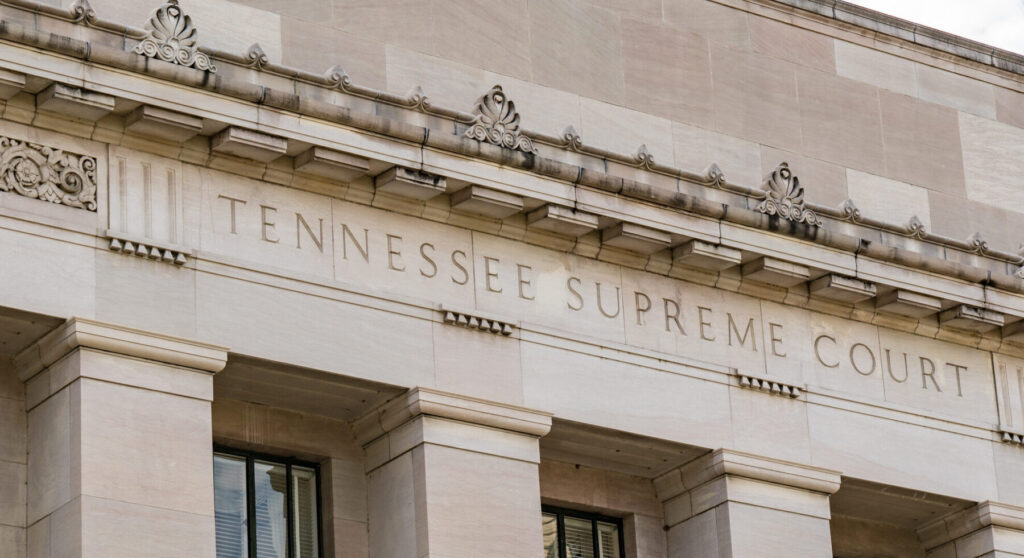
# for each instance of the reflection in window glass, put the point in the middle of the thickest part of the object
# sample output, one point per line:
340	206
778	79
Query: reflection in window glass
550	523
304	511
579	538
229	506
269	488
608	539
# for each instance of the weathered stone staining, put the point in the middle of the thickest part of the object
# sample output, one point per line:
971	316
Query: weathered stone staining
147	120
411	183
732	371
75	102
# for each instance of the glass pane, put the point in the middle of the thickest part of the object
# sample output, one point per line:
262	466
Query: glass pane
229	506
608	539
550	524
579	538
304	511
271	482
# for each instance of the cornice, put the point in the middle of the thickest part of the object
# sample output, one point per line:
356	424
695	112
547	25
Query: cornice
84	333
980	516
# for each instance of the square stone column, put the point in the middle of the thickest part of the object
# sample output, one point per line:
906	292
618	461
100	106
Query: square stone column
453	476
120	443
729	504
989	530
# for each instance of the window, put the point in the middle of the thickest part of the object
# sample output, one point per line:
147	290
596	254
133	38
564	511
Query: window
572	534
265	507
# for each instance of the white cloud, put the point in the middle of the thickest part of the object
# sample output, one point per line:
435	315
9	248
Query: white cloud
999	23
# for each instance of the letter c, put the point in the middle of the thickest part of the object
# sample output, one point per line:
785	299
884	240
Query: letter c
817	352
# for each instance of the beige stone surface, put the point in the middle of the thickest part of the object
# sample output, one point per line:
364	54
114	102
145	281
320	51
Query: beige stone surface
12	494
955	91
1009	107
479	364
696	148
793	44
232	26
659	58
840	121
913	132
774	426
992	153
613	493
576	57
888	200
877	68
623	130
12	541
444	82
755	97
823	182
717	22
309	43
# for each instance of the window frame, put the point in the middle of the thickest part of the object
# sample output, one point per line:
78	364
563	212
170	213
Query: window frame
251	457
562	513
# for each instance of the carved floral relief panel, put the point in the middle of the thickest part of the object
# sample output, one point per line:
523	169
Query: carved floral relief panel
48	173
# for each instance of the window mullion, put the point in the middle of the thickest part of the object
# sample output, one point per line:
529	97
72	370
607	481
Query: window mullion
289	512
250	504
561	535
596	539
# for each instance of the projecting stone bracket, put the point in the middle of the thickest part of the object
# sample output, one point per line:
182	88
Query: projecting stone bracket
1012	437
476	321
126	244
769	386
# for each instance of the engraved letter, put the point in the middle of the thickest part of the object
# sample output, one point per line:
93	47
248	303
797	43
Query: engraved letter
346	233
703	322
776	339
926	375
853	359
490	274
427	259
579	297
520	269
817	350
747	332
906	368
319	241
641	309
958	368
618	302
392	252
462	268
232	202
673	315
268	225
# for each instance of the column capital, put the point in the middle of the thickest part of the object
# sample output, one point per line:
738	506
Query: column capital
85	333
422	401
975	518
727	462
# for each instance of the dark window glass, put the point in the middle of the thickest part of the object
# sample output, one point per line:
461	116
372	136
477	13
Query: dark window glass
265	507
571	534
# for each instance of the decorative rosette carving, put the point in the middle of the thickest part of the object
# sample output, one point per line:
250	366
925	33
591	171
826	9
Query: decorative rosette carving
714	176
849	211
785	197
256	57
171	37
915	227
496	121
47	173
572	139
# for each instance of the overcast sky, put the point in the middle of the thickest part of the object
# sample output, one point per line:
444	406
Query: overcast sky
999	23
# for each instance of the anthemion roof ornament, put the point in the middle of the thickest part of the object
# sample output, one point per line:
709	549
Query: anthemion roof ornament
572	139
714	176
82	11
849	211
47	173
915	227
338	77
785	197
496	121
255	57
171	37
643	158
977	243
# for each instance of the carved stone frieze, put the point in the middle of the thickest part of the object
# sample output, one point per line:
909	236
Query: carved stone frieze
496	121
769	386
785	197
47	173
481	323
172	37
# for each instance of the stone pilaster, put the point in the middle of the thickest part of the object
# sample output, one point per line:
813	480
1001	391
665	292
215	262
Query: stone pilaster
120	443
728	504
989	530
453	476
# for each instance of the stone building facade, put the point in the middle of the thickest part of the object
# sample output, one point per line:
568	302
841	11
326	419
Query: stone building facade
559	278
